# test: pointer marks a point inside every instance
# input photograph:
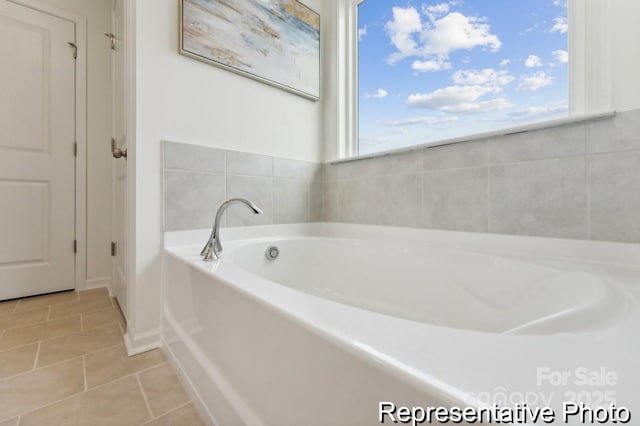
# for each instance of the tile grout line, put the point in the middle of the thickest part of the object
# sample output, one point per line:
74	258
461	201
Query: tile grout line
35	360
2	420
84	372
144	370
91	352
49	313
144	396
27	325
13	311
84	312
59	362
169	412
81	392
40	340
37	369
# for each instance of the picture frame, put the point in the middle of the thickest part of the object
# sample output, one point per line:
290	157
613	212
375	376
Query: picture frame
276	42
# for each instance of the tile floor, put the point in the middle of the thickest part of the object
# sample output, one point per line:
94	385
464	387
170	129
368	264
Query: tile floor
63	361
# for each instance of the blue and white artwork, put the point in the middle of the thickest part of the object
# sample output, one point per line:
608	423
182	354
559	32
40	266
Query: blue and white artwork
274	41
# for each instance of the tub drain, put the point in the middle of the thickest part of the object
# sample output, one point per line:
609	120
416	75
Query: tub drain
272	253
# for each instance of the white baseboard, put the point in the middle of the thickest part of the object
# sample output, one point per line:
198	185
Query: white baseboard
99	282
142	342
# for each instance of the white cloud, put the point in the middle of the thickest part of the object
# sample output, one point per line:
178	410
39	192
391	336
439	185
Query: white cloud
420	120
456	31
505	62
561	56
459	99
560	25
481	106
405	23
533	113
436	9
438	37
534	81
380	94
431	65
362	32
449	95
533	61
487	76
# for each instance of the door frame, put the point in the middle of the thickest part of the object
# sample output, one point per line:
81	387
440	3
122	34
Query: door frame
81	131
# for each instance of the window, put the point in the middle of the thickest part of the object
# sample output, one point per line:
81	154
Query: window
433	71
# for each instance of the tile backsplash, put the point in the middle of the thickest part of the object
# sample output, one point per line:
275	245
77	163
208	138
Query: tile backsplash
197	179
579	180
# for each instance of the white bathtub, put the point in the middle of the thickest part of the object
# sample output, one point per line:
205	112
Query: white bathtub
349	316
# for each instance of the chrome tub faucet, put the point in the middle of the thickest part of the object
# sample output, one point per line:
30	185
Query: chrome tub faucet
213	248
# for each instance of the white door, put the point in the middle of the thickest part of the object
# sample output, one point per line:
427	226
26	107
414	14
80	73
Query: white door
121	223
37	162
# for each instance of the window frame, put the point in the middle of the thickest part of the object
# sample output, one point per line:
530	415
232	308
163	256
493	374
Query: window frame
590	75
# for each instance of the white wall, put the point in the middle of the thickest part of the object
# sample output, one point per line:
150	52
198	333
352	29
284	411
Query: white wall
180	99
99	211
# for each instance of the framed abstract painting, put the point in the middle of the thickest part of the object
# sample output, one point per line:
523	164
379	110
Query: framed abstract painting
273	41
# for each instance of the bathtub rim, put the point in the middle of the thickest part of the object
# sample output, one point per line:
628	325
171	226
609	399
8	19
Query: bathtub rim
516	246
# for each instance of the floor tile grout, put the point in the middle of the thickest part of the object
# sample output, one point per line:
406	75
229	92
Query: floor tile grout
41	340
168	412
136	374
88	353
21	345
84	372
144	370
35	360
80	313
37	368
94	388
51	403
49	319
144	396
58	362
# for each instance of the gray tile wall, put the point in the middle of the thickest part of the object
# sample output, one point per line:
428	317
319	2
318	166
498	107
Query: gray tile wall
573	181
198	179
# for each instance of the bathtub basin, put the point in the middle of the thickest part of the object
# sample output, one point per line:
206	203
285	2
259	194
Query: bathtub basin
348	316
434	285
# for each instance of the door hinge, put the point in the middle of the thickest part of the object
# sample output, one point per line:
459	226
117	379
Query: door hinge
114	249
75	246
75	49
75	149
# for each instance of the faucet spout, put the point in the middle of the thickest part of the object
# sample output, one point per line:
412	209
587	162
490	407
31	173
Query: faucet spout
213	248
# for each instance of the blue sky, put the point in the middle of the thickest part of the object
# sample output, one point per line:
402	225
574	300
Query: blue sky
430	71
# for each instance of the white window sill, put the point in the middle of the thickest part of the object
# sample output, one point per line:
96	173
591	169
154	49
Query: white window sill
479	136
